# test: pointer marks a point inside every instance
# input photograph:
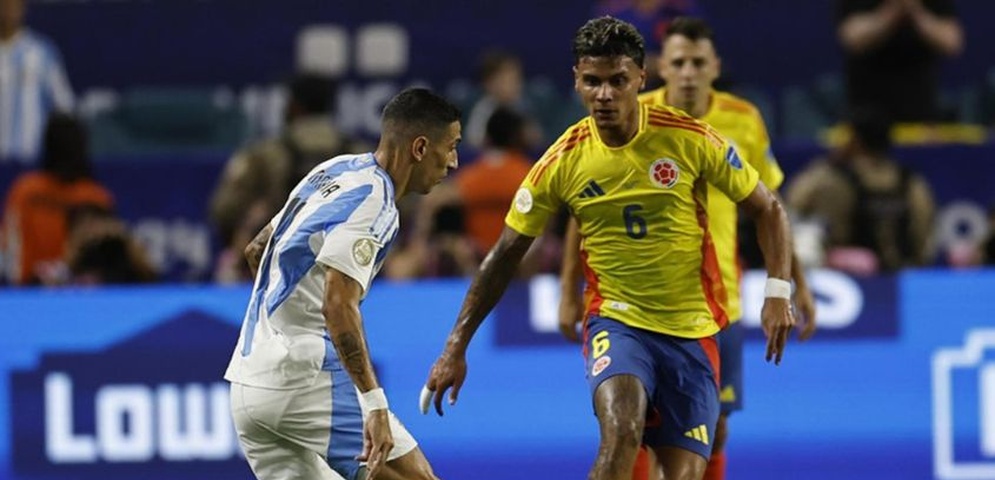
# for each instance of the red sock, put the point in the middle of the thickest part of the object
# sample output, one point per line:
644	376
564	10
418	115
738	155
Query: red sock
716	467
641	471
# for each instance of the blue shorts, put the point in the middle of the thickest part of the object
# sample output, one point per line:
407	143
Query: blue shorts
731	356
679	375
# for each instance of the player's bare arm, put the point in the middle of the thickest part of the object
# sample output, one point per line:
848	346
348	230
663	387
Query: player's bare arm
571	304
487	287
774	237
254	250
803	299
345	327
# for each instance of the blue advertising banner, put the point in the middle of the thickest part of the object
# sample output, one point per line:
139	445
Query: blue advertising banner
123	383
849	307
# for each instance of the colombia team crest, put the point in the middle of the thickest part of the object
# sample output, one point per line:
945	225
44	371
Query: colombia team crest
664	173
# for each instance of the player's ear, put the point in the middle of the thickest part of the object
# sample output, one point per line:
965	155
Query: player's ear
642	78
576	79
419	147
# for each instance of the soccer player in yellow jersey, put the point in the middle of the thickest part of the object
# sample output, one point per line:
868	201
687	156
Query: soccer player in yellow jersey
689	65
635	176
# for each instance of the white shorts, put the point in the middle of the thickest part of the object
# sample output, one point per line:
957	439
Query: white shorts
314	432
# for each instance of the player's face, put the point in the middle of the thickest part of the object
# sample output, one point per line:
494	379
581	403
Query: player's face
689	68
609	88
439	158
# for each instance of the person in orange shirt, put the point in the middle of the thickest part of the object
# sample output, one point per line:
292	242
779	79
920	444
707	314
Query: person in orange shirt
461	220
35	228
487	186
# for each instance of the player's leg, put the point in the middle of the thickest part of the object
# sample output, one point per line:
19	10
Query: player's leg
619	373
270	455
405	461
688	402
730	395
620	404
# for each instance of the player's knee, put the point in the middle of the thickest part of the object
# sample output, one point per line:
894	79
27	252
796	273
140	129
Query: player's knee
721	434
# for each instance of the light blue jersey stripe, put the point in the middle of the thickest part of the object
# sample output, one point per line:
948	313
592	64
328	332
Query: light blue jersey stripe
297	258
345	441
308	188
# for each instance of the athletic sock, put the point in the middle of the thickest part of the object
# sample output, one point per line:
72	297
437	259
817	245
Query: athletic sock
716	467
641	470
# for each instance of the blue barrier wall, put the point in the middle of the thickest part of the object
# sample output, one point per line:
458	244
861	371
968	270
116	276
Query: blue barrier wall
850	405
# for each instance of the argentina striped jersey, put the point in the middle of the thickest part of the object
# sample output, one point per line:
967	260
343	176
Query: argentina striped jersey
342	215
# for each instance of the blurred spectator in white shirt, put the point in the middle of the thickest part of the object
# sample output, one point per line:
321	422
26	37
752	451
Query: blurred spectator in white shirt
32	84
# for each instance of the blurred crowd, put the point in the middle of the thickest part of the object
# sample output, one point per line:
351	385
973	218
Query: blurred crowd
857	208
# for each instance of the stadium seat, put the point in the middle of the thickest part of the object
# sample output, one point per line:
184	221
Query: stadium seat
165	120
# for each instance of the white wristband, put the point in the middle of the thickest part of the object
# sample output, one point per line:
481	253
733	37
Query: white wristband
777	288
375	399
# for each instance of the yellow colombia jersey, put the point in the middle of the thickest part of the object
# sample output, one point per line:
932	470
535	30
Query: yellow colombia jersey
741	124
648	256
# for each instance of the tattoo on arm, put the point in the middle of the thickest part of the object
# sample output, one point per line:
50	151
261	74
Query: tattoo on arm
352	352
488	286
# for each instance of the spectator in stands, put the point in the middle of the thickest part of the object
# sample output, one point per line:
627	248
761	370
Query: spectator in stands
101	251
487	186
892	50
651	18
503	84
35	227
258	179
877	214
461	220
32	84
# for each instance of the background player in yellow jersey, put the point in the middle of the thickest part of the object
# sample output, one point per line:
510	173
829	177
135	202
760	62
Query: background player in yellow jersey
635	176
689	65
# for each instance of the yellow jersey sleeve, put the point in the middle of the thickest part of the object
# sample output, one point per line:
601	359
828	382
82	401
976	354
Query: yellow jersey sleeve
762	158
722	167
541	193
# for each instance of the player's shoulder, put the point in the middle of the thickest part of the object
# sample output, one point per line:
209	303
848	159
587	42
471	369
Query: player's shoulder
576	135
651	97
733	104
663	120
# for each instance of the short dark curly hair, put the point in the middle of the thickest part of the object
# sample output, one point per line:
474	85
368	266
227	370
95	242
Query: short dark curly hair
693	28
609	37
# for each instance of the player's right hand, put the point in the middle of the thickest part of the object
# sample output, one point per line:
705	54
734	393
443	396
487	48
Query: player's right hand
777	321
377	441
571	315
448	372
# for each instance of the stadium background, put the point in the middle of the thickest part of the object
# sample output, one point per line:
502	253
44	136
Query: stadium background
866	400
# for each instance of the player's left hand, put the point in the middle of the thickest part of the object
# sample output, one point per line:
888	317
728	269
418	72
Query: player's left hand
448	372
777	321
805	310
571	316
377	441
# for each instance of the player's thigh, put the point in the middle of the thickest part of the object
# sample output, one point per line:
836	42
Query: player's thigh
731	370
612	349
283	460
686	396
680	464
269	454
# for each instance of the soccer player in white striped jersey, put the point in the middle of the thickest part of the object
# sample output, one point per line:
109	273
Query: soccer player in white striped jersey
305	399
32	84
